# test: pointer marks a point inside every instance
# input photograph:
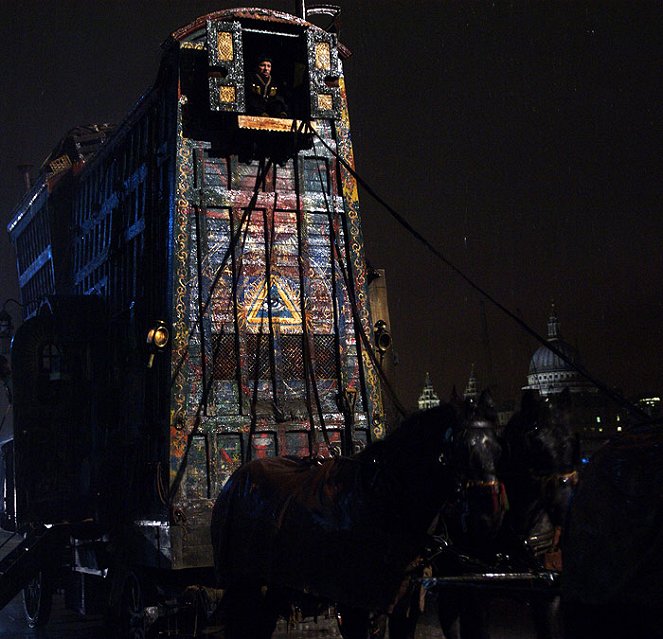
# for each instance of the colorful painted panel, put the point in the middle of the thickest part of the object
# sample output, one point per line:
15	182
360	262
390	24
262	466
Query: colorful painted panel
320	274
219	263
297	444
229	455
217	173
286	268
263	445
334	441
196	481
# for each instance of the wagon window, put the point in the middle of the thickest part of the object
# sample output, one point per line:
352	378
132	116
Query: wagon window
325	357
51	361
225	356
288	54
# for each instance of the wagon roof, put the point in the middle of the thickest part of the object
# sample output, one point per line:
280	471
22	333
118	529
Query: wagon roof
195	29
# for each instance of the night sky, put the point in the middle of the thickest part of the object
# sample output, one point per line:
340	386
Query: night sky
522	139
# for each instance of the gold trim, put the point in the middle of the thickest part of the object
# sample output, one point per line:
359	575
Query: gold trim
227	94
325	102
323	56
263	123
61	163
224	46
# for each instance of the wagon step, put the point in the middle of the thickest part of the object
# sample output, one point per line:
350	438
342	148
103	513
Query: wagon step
547	580
37	551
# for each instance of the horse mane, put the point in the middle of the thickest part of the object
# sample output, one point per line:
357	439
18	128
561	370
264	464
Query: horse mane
542	423
541	455
469	408
415	434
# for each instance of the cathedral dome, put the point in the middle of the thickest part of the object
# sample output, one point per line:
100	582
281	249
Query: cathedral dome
548	372
545	361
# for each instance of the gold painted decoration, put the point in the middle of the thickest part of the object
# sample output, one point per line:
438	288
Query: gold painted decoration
351	198
61	163
198	46
224	46
325	102
265	123
227	94
323	56
181	331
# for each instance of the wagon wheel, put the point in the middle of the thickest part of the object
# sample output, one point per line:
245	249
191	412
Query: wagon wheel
37	600
128	615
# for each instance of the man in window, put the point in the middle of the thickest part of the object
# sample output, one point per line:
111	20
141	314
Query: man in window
263	97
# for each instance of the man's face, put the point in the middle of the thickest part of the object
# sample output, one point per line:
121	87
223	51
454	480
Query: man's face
265	68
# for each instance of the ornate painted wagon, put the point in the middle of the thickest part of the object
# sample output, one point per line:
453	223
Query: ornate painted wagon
196	296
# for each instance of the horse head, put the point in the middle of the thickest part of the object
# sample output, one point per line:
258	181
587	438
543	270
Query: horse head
476	452
476	445
542	458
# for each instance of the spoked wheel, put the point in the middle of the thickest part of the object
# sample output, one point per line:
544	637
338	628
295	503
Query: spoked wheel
129	615
37	599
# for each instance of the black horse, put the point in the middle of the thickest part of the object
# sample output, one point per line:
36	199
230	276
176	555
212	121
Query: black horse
527	474
539	472
344	530
612	584
468	524
540	467
471	524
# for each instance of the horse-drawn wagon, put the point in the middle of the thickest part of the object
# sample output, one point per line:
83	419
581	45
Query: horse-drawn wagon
196	296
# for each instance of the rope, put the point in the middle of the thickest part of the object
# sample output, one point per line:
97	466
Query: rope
231	247
306	347
437	253
353	303
206	387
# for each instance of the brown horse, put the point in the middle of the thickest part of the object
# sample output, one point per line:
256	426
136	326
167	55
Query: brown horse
344	530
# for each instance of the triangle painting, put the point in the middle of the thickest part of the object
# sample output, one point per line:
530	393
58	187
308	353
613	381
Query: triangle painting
284	301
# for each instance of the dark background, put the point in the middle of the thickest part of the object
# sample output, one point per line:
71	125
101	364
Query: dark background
523	139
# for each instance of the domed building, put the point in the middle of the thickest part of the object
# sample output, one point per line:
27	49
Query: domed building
549	373
596	417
